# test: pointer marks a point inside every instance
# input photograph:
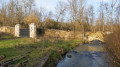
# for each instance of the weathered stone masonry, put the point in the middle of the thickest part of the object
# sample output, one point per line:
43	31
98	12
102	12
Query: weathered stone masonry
32	30
17	30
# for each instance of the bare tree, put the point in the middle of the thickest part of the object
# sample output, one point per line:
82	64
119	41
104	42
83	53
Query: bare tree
3	14
28	4
73	6
19	12
11	11
43	13
77	14
60	10
91	16
101	17
81	17
107	12
118	14
113	4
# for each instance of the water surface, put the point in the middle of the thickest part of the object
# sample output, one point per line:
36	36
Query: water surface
87	55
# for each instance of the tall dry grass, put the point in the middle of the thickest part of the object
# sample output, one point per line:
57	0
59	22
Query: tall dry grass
113	47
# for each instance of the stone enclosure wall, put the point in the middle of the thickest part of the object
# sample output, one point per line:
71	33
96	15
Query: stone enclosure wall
52	33
16	30
7	29
89	36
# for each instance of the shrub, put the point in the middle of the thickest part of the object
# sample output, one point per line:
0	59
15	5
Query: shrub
113	47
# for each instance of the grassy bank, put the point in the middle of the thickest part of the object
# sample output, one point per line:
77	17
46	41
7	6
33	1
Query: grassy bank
5	36
39	48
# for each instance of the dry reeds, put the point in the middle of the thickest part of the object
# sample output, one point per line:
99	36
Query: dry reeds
113	47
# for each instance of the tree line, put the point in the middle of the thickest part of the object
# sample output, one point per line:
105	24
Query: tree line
70	15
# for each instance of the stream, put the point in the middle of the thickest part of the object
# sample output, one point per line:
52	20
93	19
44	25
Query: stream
87	55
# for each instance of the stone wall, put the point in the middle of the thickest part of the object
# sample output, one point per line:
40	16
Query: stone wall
89	36
16	31
52	33
7	29
95	36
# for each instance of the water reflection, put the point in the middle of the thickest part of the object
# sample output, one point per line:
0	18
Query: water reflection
88	55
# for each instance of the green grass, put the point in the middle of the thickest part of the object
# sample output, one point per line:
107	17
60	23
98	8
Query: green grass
5	36
12	48
16	47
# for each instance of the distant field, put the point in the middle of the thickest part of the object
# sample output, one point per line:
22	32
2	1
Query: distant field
39	48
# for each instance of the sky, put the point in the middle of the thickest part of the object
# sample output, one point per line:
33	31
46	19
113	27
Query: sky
50	4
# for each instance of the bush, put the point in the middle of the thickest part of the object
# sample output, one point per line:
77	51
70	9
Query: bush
113	47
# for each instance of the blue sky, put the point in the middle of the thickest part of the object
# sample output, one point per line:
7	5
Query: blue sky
50	4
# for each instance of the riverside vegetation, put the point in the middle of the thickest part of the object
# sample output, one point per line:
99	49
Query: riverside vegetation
112	45
38	49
